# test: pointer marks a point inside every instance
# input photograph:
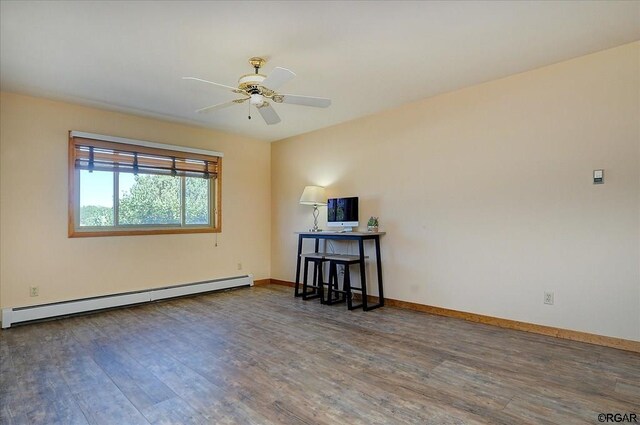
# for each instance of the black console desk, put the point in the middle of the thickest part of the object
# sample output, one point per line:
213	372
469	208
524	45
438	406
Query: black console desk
351	236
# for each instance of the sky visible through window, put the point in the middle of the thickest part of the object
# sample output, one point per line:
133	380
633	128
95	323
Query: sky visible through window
126	181
97	187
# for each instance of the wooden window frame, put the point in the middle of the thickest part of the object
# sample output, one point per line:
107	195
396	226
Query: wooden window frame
215	207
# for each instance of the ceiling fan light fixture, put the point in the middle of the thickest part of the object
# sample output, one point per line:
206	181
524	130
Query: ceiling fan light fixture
257	99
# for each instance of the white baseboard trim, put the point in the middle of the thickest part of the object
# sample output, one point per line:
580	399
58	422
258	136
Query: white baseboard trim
25	314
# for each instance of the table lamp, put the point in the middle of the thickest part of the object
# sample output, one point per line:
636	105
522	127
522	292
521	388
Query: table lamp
314	195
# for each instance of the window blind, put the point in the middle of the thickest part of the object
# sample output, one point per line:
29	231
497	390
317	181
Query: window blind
103	155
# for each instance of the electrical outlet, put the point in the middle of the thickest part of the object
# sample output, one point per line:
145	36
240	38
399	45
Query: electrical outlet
34	291
548	298
239	266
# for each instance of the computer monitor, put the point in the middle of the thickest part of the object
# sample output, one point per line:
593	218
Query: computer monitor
343	212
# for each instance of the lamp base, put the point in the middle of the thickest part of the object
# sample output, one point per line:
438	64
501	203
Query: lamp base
315	219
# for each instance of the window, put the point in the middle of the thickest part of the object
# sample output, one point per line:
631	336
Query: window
127	187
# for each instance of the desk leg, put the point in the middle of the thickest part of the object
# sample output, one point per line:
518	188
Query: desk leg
379	268
363	275
380	302
298	259
315	269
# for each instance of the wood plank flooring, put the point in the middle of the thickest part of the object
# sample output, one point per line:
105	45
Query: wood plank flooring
259	356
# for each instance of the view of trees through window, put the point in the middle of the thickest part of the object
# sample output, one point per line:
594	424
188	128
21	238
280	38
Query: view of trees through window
142	200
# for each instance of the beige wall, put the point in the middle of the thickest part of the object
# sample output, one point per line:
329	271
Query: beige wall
486	194
34	246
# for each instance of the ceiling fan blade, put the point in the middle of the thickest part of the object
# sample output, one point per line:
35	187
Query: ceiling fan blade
278	77
211	82
220	106
269	114
317	102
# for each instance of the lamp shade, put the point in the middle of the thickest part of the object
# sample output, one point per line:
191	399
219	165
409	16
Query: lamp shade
313	195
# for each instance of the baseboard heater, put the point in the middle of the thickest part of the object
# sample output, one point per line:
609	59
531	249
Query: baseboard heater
64	308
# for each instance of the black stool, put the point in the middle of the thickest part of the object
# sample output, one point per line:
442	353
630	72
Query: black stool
335	295
317	290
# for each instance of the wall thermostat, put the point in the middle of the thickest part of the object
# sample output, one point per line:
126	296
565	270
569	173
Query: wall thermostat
598	176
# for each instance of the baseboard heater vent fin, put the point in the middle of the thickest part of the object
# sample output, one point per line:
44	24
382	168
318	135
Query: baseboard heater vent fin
44	311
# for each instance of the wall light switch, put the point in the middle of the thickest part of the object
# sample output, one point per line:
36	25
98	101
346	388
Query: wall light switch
598	176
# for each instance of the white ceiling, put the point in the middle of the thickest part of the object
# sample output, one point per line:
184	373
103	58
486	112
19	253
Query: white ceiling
366	56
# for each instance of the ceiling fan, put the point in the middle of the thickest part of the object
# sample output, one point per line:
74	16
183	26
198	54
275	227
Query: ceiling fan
258	88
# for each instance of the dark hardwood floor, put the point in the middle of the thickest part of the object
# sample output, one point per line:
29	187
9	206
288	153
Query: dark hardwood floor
260	356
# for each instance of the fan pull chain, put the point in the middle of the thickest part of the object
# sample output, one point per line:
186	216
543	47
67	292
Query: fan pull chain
249	110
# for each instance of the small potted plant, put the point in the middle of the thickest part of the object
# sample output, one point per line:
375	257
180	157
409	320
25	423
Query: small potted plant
372	224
